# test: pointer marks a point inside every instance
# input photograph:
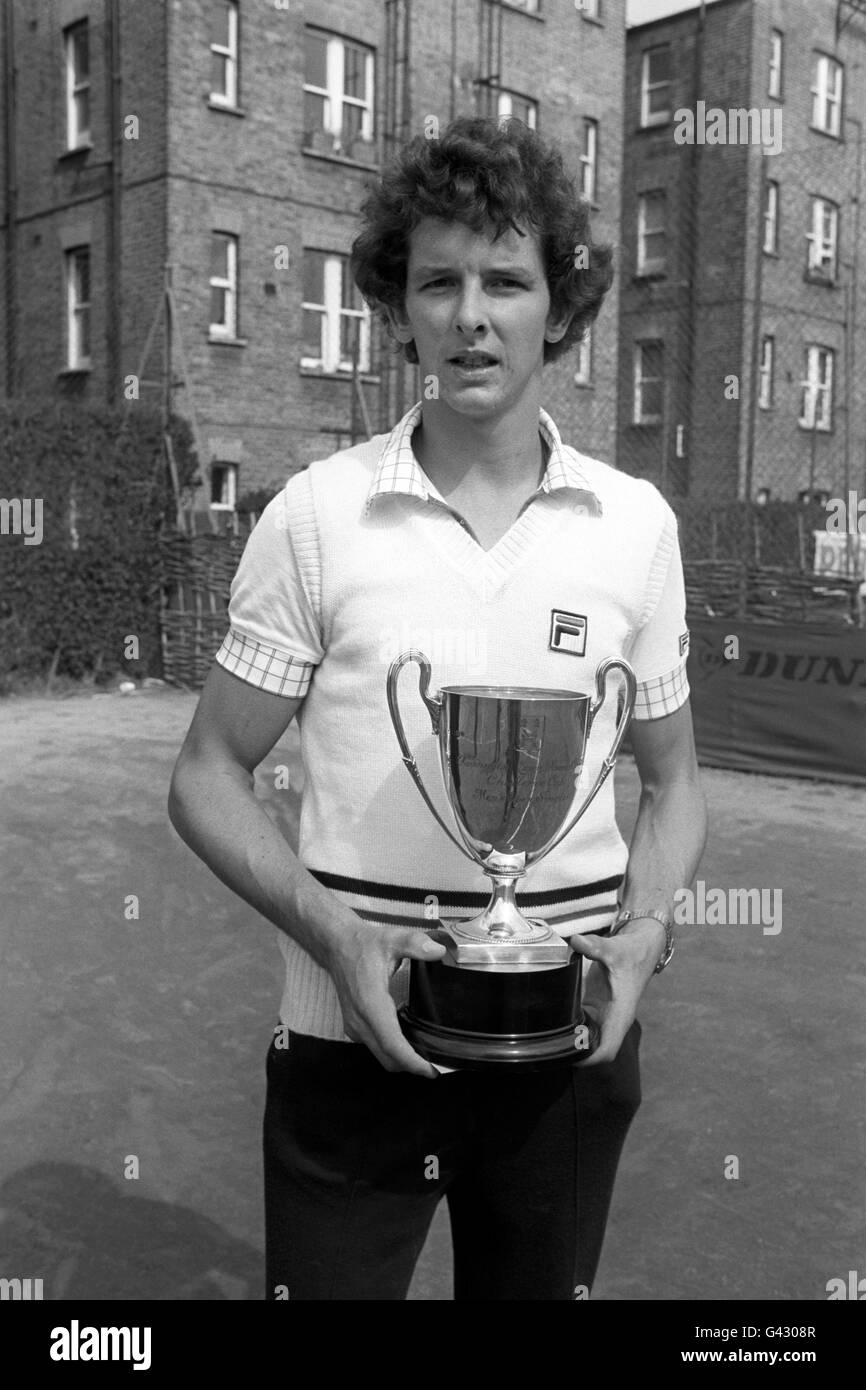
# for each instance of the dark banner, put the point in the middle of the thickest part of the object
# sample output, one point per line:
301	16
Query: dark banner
776	698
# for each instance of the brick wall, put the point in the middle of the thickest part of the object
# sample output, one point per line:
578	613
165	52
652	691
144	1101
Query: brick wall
194	169
252	167
715	221
64	198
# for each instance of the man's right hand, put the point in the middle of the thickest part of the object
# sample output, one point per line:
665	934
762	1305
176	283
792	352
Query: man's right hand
361	960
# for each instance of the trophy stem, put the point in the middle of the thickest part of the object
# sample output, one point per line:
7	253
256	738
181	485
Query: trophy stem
501	933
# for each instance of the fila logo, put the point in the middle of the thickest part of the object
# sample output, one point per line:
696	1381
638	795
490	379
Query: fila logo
567	632
684	643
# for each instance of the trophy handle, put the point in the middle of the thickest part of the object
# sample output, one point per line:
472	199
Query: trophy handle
610	663
434	709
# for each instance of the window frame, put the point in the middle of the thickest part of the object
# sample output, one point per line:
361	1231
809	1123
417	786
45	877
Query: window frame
824	62
650	119
585	354
231	55
775	89
227	332
770	217
506	95
334	93
77	139
589	160
821	391
231	472
78	310
331	362
639	380
816	241
767	372
644	267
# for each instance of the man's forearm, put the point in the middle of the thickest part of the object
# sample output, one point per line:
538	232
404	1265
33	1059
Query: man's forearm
666	847
215	811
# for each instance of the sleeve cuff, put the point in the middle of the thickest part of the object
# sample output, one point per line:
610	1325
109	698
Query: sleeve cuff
269	669
662	694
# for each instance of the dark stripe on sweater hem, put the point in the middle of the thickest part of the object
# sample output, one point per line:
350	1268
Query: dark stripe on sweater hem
366	888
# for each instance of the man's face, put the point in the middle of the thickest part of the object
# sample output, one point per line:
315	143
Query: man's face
479	311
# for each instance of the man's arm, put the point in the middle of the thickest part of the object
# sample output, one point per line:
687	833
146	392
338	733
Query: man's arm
666	847
213	807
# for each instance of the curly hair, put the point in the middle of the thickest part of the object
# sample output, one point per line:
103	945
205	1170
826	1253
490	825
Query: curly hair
483	174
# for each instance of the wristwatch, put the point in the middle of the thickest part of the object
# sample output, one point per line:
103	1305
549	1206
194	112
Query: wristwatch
631	914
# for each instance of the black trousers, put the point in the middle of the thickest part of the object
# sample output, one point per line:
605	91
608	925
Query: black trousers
357	1159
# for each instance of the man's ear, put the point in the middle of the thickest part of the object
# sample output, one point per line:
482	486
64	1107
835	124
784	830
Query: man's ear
557	325
399	324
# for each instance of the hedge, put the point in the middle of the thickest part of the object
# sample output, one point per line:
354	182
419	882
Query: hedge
68	604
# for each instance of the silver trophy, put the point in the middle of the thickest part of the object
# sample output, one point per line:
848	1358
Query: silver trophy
508	990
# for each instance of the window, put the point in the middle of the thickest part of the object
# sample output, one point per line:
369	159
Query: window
333	313
771	217
77	44
822	240
589	160
651	252
591	8
78	308
223	486
509	104
827	95
583	375
765	373
648	383
338	92
816	409
223	285
655	95
224	54
774	85
531	6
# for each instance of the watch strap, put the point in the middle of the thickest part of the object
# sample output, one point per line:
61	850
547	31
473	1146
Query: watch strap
632	914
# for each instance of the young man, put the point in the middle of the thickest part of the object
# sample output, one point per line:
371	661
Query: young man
471	517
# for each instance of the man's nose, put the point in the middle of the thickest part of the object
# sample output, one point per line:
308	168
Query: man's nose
470	316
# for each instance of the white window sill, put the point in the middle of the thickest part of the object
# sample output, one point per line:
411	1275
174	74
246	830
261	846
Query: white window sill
224	106
83	148
340	159
336	376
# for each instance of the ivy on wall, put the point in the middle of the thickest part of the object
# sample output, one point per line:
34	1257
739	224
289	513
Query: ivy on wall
98	481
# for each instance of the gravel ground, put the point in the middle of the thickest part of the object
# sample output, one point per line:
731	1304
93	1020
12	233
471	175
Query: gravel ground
129	1043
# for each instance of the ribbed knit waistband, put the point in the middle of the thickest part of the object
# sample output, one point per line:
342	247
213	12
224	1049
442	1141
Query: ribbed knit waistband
576	908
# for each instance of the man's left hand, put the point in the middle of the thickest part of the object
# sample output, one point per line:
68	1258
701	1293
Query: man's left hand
621	967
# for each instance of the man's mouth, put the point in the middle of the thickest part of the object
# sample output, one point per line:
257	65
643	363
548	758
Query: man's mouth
473	360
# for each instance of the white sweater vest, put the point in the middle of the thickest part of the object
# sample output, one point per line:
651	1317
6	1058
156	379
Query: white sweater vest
407	574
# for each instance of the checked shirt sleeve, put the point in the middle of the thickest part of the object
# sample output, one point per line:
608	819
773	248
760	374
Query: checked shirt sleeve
660	647
274	639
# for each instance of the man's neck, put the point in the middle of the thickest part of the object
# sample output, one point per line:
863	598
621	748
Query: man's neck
473	456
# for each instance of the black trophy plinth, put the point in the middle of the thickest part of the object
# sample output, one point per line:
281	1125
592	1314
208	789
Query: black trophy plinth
486	1019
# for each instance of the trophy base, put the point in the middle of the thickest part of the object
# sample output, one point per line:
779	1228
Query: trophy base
487	1019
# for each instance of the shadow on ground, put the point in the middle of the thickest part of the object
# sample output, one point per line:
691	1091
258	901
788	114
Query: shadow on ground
92	1238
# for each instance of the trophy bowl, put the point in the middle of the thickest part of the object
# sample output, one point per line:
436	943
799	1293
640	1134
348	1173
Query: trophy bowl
507	992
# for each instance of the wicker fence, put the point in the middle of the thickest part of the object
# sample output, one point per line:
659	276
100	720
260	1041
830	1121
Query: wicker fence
197	576
198	570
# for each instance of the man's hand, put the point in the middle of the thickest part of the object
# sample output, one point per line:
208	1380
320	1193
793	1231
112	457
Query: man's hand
361	962
622	966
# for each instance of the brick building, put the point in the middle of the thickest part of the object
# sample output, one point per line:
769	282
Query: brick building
742	313
232	141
